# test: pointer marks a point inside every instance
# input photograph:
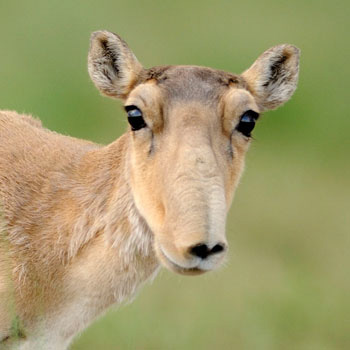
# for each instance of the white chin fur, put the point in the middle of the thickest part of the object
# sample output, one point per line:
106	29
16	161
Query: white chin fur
193	263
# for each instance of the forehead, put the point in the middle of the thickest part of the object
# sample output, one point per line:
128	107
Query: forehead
193	83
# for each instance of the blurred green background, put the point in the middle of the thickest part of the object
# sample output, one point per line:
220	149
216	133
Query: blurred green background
286	285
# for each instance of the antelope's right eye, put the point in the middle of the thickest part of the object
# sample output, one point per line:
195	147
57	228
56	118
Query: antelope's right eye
135	118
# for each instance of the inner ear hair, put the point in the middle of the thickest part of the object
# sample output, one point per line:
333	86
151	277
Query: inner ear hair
110	58
277	70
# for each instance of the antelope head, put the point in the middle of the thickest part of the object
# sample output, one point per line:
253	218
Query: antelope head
190	128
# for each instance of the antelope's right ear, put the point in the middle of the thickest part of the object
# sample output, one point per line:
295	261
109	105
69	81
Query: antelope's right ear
112	66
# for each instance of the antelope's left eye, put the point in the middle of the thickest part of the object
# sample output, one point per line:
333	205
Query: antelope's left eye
135	118
247	123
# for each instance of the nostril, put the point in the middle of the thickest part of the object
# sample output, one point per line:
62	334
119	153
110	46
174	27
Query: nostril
217	249
200	250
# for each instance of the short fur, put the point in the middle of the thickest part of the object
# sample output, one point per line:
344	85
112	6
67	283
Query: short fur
84	225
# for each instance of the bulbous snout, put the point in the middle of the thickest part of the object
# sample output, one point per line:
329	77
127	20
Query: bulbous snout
192	259
190	237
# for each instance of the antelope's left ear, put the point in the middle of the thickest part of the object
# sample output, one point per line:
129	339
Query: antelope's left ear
273	77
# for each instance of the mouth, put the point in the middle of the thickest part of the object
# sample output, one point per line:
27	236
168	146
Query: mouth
168	262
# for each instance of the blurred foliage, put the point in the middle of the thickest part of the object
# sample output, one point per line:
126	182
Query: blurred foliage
286	285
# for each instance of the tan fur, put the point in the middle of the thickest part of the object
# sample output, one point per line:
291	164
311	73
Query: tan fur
83	225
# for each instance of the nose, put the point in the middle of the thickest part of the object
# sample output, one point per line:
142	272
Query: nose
203	251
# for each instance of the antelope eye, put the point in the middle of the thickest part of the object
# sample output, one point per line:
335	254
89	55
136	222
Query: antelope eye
247	123
135	118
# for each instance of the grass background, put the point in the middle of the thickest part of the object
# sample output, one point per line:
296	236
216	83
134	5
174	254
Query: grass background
287	282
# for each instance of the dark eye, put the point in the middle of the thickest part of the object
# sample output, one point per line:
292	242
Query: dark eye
247	123
135	118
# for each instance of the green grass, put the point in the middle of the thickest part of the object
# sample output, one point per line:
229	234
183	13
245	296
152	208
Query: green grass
286	285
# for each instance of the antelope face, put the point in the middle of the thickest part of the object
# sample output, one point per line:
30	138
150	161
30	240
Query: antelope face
186	158
190	128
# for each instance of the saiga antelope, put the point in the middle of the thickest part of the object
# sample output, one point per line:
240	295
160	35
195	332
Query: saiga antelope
83	226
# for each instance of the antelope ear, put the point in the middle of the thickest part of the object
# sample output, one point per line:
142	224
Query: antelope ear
273	77
112	66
